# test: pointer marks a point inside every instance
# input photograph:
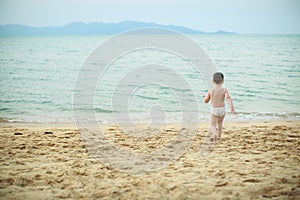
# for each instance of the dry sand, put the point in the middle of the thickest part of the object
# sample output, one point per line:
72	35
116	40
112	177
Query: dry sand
252	161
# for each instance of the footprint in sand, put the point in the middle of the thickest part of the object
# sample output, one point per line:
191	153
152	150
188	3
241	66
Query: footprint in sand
207	145
252	180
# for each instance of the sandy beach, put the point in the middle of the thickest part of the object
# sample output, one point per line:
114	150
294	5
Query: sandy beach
254	160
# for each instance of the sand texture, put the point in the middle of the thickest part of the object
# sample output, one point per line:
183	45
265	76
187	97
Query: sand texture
252	161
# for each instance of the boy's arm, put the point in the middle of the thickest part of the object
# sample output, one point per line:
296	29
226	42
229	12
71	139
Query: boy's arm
207	97
227	96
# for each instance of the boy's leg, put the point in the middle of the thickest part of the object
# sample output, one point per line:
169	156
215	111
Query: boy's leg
220	125
213	123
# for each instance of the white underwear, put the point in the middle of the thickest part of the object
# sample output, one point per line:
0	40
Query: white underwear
219	112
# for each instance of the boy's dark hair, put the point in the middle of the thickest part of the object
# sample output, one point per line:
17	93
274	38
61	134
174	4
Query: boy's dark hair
218	77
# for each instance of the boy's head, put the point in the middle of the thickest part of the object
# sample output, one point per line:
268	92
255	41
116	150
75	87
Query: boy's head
218	78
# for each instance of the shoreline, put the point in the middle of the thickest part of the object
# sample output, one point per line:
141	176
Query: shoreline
201	124
203	118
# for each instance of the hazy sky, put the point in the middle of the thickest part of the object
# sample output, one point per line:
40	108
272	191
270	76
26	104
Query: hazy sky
241	16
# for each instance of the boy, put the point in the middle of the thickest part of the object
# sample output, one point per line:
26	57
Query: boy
216	96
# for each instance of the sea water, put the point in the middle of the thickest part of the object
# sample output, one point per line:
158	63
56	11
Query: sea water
38	75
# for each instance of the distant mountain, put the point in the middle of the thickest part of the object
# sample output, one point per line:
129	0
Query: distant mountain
80	28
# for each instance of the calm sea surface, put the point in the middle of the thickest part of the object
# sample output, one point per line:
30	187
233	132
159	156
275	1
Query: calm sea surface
38	75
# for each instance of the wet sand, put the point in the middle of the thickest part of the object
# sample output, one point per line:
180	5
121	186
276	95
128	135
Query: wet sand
254	160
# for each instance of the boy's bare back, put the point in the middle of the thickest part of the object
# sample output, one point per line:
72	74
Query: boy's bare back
217	96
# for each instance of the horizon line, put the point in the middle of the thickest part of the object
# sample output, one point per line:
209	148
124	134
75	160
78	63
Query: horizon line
159	24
